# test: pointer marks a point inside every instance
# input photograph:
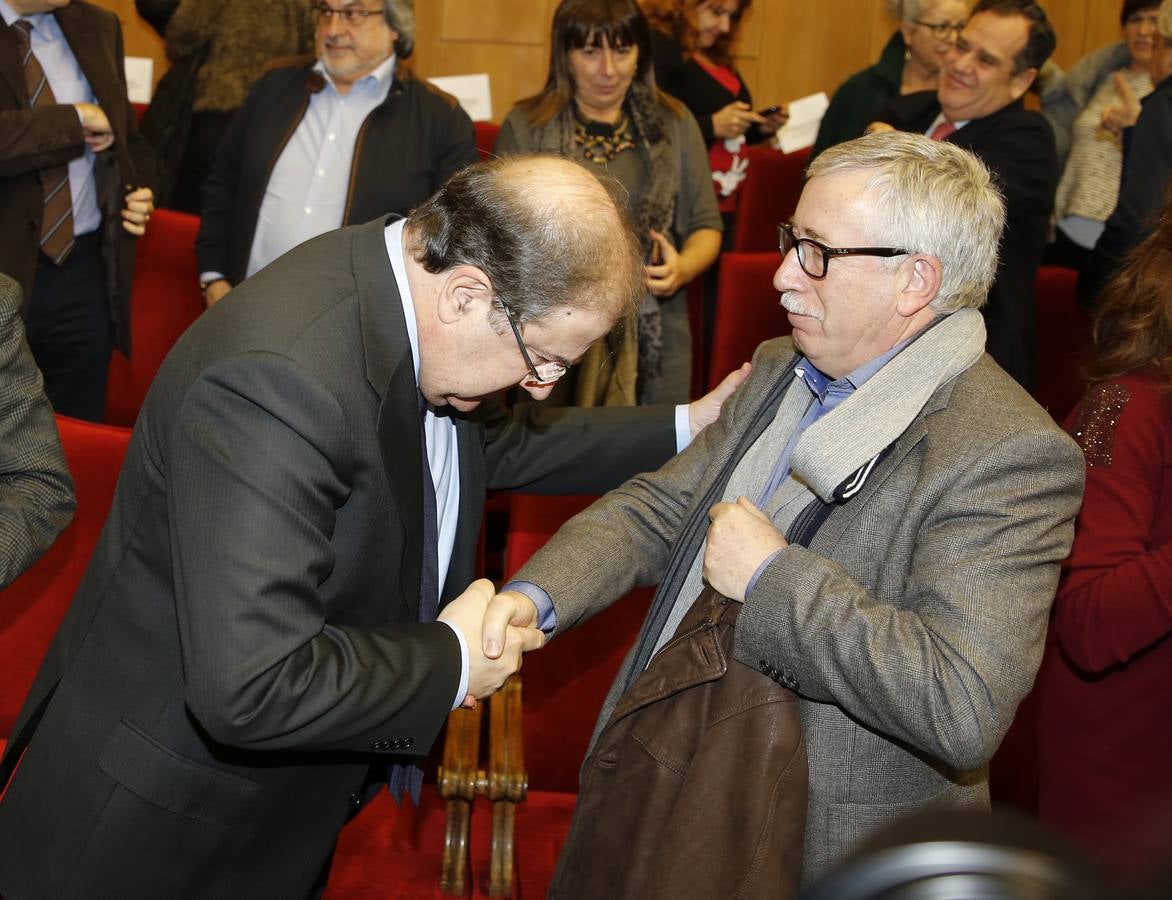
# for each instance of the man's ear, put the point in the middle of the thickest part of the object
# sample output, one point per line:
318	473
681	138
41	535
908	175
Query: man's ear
923	284
463	290
1020	83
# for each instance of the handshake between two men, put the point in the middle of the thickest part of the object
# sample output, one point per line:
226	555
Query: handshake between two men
504	626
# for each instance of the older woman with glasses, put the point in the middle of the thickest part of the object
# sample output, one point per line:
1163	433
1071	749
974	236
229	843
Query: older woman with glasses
910	62
601	106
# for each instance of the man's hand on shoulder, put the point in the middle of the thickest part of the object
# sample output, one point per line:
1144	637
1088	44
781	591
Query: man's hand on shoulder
706	410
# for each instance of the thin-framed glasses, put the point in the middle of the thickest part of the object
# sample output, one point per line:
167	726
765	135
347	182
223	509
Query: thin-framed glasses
942	31
814	256
354	16
539	376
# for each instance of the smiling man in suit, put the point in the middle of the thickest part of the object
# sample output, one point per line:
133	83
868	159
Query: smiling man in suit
71	205
255	647
979	106
890	507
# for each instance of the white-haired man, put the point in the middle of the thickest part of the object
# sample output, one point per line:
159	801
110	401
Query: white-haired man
322	143
888	504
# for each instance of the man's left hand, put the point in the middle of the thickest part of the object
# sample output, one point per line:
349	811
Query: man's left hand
706	410
740	538
140	203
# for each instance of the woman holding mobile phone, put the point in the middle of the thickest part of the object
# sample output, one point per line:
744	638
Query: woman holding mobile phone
691	42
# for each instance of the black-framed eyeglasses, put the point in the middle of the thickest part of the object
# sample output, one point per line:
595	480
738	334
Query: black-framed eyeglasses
942	30
814	256
539	376
353	16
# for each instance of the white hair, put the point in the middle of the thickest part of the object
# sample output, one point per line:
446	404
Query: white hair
929	197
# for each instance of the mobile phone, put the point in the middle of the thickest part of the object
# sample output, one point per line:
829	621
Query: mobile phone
769	110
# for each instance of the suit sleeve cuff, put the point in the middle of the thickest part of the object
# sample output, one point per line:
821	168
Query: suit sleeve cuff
683	429
547	618
760	569
462	690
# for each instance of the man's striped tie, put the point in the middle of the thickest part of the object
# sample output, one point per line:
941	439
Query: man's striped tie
57	221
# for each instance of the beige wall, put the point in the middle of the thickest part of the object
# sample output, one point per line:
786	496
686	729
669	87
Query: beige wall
789	48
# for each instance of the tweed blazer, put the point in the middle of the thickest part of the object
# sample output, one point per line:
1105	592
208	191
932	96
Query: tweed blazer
912	625
36	491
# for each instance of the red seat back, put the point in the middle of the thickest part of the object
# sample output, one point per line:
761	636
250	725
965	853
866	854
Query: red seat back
1064	340
747	310
165	299
486	133
32	607
769	196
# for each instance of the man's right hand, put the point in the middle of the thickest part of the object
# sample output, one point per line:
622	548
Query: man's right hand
470	613
99	135
215	291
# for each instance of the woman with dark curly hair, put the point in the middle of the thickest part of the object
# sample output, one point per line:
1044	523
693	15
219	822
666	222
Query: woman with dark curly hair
601	106
691	42
1105	713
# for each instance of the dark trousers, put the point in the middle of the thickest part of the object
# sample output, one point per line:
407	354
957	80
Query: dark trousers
69	330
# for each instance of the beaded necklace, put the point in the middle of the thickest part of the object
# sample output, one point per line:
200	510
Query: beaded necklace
601	142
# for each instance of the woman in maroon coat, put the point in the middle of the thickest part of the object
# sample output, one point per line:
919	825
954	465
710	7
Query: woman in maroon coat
1105	730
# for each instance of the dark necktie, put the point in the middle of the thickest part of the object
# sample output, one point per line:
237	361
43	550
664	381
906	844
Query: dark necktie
408	777
57	220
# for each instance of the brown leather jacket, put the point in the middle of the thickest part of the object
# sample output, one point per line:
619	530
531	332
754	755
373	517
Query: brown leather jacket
696	787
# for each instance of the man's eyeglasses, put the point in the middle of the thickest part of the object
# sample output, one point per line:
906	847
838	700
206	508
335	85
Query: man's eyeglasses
354	16
814	256
942	31
539	376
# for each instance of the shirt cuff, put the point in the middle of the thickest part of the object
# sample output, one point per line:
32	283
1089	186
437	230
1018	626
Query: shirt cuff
760	569
683	428
205	277
462	692
547	617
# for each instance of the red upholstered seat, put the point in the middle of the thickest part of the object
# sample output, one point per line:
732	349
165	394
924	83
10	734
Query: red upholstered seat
1064	340
32	607
393	853
769	196
165	299
486	133
747	310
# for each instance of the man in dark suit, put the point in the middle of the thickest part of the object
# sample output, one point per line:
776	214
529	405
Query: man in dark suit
255	639
69	216
36	492
978	106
